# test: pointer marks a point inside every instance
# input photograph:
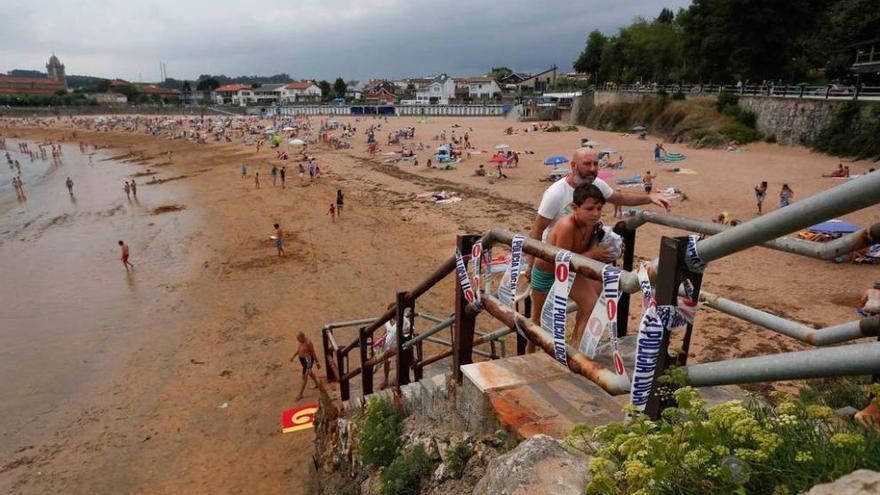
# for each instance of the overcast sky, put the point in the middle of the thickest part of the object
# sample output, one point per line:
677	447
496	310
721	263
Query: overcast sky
306	38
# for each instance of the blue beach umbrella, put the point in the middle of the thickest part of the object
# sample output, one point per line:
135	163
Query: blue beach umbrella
834	227
555	160
640	128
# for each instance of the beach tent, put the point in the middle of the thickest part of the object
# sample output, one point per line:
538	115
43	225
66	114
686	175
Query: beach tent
297	142
834	227
445	147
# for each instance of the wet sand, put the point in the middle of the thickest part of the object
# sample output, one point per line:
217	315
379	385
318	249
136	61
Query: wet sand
222	331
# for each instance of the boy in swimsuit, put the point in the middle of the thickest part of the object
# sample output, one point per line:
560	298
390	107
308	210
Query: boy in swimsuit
579	233
279	240
125	261
761	194
307	358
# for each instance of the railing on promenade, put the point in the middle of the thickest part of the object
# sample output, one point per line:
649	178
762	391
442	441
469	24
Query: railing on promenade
482	110
668	272
825	92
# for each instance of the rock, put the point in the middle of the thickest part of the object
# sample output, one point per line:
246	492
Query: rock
861	482
441	473
846	412
537	465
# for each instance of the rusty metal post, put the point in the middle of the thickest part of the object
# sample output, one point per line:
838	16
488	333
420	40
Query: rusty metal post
325	341
463	329
672	252
418	370
341	359
366	341
522	342
404	356
629	249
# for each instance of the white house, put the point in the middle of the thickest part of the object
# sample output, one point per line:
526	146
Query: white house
235	94
482	87
301	91
268	94
439	91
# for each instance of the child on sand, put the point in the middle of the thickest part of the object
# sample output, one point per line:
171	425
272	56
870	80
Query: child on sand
340	202
257	180
307	358
279	240
332	212
785	195
125	262
648	180
761	194
578	233
69	184
243	170
283	174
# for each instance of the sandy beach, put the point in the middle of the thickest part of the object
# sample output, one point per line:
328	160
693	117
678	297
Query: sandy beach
172	379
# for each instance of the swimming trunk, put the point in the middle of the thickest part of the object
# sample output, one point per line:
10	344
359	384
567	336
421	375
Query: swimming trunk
279	243
306	363
648	187
124	258
541	280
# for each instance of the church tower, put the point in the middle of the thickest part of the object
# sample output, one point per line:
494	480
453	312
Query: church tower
56	70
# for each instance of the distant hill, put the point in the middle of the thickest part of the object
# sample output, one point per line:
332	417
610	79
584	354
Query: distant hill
223	79
79	82
26	73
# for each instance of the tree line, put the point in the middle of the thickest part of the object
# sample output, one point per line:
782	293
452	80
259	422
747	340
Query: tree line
729	41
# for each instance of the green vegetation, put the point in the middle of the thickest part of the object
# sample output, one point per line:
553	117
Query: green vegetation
729	448
379	433
54	100
735	40
457	458
837	393
851	133
405	474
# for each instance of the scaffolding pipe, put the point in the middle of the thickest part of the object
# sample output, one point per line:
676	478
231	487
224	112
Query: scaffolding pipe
611	382
848	360
424	335
447	343
835	334
848	197
818	250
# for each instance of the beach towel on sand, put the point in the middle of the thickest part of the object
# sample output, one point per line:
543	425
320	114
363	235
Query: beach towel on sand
635	179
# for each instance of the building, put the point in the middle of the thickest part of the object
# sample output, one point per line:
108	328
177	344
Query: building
234	94
867	62
107	98
10	85
301	92
480	88
154	90
538	83
354	90
55	69
380	92
438	91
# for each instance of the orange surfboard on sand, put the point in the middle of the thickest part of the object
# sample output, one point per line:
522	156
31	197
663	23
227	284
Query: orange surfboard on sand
298	418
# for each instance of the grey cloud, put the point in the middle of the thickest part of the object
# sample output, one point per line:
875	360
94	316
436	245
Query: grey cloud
312	38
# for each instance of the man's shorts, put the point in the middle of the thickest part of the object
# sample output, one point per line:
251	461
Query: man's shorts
279	243
541	280
307	364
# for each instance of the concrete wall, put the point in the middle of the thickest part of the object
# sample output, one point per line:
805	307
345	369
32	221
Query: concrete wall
791	120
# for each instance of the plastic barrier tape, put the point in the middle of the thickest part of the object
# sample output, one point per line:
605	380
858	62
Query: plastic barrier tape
554	312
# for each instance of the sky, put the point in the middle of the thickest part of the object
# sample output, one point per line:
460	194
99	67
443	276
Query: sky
314	39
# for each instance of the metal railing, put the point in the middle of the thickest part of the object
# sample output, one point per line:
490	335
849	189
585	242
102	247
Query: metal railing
825	92
669	271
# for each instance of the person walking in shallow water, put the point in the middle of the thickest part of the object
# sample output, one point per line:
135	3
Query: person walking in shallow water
127	190
134	188
124	248
69	184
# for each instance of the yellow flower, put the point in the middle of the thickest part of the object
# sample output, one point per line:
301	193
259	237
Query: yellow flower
848	440
819	412
782	490
803	456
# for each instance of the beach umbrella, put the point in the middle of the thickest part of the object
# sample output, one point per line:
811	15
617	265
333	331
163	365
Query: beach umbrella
277	139
445	147
834	227
288	129
297	142
640	128
588	144
502	147
555	160
608	150
497	159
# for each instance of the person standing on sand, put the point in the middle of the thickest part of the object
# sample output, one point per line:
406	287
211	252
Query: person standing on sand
311	170
257	180
274	174
332	212
761	195
785	195
243	170
648	180
279	240
302	171
283	174
127	190
69	184
134	188
340	202
307	358
125	262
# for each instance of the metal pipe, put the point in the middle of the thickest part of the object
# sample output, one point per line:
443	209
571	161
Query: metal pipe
587	267
344	324
611	382
424	335
834	334
447	343
847	360
856	194
430	317
824	250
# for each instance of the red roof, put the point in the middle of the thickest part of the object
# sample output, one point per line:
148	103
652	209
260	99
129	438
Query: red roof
10	85
152	89
301	85
231	88
44	81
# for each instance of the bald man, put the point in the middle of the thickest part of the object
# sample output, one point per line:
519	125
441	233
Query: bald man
557	201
